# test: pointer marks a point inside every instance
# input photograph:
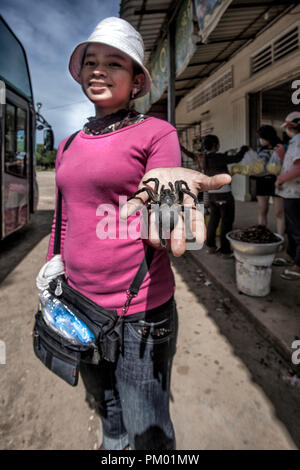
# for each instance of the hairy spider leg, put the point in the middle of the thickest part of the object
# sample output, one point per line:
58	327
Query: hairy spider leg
179	191
171	186
160	234
180	183
190	194
156	181
158	224
148	191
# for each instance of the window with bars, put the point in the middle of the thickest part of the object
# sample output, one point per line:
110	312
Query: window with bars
216	88
280	47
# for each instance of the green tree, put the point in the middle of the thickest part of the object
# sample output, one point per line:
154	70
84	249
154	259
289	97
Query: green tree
45	159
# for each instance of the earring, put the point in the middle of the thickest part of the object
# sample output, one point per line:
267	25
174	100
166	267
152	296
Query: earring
134	92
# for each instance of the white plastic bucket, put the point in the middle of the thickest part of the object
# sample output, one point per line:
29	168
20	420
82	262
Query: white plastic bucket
253	265
253	273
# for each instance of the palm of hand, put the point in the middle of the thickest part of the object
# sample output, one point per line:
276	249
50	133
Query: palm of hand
196	182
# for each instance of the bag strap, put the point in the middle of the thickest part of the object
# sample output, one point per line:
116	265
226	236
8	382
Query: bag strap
57	237
144	266
139	277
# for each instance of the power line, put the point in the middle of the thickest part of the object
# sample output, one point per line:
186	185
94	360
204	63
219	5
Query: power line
65	105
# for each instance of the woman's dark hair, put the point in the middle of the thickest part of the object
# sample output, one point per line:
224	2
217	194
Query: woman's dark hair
268	133
136	69
210	141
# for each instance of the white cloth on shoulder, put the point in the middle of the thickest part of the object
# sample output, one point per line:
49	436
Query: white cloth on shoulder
50	270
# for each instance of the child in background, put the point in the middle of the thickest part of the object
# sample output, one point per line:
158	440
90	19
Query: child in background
288	187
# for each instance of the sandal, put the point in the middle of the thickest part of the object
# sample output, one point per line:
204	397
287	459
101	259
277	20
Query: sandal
290	275
282	262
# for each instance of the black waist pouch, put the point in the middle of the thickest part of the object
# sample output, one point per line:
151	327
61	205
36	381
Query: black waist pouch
64	358
60	355
55	352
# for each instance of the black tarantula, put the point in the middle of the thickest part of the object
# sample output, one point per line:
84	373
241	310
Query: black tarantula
169	205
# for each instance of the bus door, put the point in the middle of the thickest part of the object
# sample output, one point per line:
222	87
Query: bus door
16	164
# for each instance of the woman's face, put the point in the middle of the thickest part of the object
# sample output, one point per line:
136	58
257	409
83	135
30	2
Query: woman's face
264	142
107	77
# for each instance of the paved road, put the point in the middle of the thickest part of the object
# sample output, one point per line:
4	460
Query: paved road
227	392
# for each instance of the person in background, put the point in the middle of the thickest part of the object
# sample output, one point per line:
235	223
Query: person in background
265	183
288	187
221	201
198	158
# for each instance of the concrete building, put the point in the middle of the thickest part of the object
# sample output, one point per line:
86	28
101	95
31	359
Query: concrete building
223	67
258	85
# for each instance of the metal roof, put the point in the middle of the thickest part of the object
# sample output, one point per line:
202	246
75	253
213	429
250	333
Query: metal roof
242	22
150	18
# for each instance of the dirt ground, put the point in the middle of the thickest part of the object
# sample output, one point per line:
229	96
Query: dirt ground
227	386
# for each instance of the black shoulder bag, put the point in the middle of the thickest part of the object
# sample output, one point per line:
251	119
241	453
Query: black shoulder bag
60	355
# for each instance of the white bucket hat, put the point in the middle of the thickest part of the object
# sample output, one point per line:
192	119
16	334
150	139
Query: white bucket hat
117	33
290	118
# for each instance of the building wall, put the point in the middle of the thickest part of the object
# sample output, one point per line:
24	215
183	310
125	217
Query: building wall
227	115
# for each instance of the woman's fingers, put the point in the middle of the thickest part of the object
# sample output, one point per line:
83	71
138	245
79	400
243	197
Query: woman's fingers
190	223
193	225
207	183
178	237
130	207
191	220
197	225
153	231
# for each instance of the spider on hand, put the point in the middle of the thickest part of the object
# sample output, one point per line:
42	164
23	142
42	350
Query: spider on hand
168	205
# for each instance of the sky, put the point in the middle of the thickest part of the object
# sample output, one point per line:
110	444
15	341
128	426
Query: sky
49	31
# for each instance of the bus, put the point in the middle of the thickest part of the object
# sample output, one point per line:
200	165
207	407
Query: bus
18	123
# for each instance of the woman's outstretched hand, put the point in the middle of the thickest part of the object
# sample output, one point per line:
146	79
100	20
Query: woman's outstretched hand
196	182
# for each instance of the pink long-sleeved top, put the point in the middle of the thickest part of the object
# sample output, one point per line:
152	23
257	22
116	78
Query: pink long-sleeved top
102	253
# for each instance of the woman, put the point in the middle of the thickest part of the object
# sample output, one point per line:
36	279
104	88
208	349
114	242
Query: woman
108	161
288	188
265	183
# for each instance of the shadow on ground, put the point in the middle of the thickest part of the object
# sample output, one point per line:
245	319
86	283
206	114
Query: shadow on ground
264	364
16	246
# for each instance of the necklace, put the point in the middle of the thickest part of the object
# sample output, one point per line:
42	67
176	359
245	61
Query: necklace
113	122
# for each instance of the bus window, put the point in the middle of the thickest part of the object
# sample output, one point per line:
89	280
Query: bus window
21	139
13	63
15	141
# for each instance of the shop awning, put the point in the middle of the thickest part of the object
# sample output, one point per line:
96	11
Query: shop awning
216	34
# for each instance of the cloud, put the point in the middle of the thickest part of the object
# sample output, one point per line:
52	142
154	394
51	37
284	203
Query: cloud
49	32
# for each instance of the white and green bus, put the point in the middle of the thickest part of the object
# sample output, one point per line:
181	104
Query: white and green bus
18	124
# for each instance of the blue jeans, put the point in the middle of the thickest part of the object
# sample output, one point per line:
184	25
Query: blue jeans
132	395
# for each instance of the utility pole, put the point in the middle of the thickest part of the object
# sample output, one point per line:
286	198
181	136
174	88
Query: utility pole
172	73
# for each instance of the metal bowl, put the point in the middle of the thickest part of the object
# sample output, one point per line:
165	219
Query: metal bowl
255	248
